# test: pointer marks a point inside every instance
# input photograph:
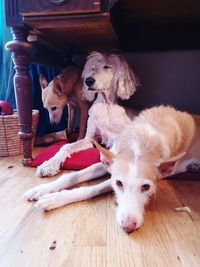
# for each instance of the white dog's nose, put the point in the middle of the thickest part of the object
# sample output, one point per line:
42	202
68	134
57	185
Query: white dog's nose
129	227
129	224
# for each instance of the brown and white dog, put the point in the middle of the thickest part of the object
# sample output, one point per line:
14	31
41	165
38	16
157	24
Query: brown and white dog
65	89
159	142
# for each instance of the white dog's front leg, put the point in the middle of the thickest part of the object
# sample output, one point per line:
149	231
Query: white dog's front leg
64	197
67	180
36	192
52	166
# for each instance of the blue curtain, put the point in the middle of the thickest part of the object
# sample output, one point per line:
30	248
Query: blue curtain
6	80
6	62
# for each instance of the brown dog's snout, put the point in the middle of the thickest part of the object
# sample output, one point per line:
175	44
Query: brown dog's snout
89	81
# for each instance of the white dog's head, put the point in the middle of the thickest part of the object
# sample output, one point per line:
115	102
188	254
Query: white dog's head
134	182
102	72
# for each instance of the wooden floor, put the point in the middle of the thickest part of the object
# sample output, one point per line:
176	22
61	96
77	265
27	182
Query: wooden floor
86	234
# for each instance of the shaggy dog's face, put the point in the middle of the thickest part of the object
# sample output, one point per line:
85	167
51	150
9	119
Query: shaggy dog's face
98	74
108	74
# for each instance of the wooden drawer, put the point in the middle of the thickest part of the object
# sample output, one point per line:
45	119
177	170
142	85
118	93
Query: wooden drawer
53	7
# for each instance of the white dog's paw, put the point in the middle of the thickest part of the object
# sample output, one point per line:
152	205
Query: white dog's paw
36	192
48	168
51	201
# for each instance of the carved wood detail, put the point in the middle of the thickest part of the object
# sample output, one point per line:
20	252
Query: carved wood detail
21	52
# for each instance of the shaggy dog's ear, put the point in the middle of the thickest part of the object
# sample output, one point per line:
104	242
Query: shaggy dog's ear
91	60
125	81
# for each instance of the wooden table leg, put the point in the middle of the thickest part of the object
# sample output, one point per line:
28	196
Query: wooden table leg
21	52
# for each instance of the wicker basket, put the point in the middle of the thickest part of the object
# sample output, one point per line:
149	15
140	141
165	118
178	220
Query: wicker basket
10	143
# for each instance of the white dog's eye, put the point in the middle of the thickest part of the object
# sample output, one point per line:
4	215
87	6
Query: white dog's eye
53	108
119	184
107	67
145	187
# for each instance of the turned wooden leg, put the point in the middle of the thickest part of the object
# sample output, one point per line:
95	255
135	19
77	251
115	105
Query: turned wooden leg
21	51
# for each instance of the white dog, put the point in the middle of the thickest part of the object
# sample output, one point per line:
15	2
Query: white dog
150	147
106	79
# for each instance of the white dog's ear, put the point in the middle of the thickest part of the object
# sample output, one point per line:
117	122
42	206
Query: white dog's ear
167	167
107	157
125	80
43	81
57	87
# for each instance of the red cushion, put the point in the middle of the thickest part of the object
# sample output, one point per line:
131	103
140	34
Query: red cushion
78	161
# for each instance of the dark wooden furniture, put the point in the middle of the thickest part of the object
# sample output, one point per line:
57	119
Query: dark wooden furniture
47	32
51	31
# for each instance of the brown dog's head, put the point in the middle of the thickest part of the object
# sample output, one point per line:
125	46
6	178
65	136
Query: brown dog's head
57	94
54	98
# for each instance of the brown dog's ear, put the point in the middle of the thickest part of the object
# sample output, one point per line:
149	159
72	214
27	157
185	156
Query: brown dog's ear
166	167
43	81
107	157
57	87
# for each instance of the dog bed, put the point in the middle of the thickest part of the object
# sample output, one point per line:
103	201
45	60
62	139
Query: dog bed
78	161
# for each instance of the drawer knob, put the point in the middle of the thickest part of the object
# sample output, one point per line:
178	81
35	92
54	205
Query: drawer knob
57	1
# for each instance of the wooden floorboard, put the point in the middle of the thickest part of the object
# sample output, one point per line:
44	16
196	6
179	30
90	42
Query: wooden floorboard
86	233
